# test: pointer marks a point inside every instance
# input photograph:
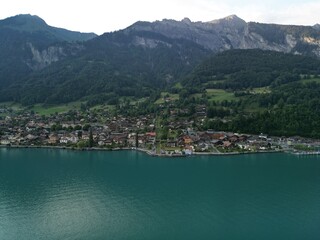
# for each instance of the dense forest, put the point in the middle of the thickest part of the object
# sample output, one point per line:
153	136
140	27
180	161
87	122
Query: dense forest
242	69
274	93
109	68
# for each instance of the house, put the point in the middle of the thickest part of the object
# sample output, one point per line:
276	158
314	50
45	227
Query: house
151	137
189	150
187	139
227	144
108	142
73	139
31	137
172	143
53	139
64	140
5	142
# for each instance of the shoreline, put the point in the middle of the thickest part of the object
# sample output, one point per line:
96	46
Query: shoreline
148	152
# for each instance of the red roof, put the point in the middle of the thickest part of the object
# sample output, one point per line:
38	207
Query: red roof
151	134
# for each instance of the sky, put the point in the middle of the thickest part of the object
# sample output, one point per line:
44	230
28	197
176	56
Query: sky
101	16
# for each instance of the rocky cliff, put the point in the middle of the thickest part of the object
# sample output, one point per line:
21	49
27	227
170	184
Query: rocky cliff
234	33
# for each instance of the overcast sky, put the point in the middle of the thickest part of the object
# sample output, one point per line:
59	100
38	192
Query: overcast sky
101	16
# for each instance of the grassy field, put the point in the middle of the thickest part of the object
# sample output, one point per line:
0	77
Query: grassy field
166	95
262	90
220	95
317	80
13	105
103	107
47	110
215	82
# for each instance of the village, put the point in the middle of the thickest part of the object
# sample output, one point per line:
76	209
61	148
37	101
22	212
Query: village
92	130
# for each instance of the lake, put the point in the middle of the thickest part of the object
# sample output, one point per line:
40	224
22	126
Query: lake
63	194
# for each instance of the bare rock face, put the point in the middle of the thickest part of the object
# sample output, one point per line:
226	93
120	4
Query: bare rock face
234	33
41	59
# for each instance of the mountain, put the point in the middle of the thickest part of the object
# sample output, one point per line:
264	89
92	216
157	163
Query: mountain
33	24
256	91
316	26
234	33
27	44
253	68
43	64
110	66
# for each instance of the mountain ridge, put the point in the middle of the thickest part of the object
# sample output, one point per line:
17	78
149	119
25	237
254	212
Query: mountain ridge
233	32
33	23
38	66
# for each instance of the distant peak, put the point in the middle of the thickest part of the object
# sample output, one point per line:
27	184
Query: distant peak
232	17
186	20
229	19
27	17
317	26
24	18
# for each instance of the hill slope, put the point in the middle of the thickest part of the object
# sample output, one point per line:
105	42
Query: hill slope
110	66
28	44
43	64
242	69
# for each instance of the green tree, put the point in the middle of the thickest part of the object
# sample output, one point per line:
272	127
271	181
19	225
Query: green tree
91	142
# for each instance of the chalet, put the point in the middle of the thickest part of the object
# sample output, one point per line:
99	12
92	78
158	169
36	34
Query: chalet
216	142
141	139
73	138
187	139
189	150
172	143
227	144
204	137
120	139
234	138
85	136
244	146
151	137
53	139
217	135
64	140
108	142
132	139
263	137
5	142
31	137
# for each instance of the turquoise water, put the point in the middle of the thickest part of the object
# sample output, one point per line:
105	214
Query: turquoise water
60	194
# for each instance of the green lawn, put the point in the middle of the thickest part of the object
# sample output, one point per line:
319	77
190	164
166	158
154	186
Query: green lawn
262	90
166	95
215	82
317	80
13	105
220	95
47	110
103	107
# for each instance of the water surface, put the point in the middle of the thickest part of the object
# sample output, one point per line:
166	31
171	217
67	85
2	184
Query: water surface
61	194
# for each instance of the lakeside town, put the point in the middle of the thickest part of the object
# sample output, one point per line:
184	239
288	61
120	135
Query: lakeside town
82	130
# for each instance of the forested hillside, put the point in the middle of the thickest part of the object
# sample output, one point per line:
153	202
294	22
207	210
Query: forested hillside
28	44
271	92
109	67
